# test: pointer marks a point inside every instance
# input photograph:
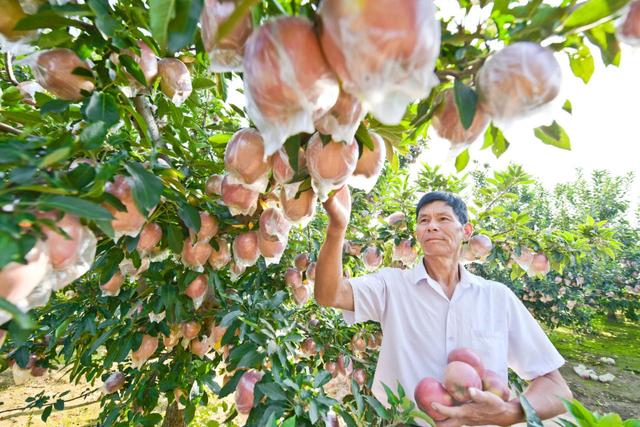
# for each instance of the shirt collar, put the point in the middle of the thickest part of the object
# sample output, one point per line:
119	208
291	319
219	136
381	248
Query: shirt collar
419	275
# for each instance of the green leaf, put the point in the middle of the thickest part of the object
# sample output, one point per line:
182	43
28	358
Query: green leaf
202	83
553	135
133	68
494	138
466	101
81	176
240	11
174	238
101	107
104	20
145	187
603	36
592	11
55	106
230	386
313	412
59	404
160	14
533	420
462	160
54	157
582	64
567	107
185	23
321	379
93	136
190	216
76	206
45	414
363	137
289	422
377	406
581	414
272	390
45	20
23	320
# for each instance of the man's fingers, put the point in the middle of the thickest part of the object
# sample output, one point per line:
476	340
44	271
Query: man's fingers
447	411
449	422
486	397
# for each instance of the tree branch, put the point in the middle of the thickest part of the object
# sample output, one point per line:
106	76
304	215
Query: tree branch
142	107
9	129
8	62
87	393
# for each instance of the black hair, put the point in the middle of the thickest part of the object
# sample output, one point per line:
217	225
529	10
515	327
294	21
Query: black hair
456	203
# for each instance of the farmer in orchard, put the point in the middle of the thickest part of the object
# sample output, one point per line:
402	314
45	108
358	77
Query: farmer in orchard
436	307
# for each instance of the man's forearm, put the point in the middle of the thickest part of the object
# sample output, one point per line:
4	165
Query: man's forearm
544	395
329	266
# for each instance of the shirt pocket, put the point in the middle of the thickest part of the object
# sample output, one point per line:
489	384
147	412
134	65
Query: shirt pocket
491	346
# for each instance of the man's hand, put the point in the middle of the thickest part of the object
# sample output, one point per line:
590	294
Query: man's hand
338	208
485	408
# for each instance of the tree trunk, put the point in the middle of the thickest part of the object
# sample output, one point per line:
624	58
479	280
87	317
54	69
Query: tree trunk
173	417
611	316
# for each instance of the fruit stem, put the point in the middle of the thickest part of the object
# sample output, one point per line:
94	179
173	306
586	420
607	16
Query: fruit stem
9	129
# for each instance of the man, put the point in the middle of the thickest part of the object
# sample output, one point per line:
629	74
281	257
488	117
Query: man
437	306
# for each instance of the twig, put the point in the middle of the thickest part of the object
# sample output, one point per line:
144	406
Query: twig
9	129
66	401
8	61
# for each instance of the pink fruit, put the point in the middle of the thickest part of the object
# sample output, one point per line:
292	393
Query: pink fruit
238	197
245	249
311	272
330	165
302	261
191	329
428	391
147	347
467	356
345	365
17	280
282	170
358	343
220	257
208	227
480	246
150	236
195	255
214	185
273	225
244	391
446	122
299	209
360	376
113	383
369	164
54	71
332	368
197	288
271	250
458	378
293	278
372	258
287	80
539	264
127	222
113	285
492	382
396	218
225	54
175	80
309	347
518	80
341	122
301	294
63	250
245	157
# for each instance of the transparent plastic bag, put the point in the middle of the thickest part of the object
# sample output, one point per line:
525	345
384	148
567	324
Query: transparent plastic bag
226	55
384	51
330	165
288	83
370	164
518	81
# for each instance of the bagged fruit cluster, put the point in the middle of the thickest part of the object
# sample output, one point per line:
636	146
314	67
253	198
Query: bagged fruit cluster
66	253
464	370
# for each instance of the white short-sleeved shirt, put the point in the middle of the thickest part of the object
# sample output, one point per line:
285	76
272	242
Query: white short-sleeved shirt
421	326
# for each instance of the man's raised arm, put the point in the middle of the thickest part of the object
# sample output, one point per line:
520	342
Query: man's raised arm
330	288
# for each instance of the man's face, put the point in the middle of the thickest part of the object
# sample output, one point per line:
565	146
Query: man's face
439	231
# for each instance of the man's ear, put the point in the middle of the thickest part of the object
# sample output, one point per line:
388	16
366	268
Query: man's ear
468	230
